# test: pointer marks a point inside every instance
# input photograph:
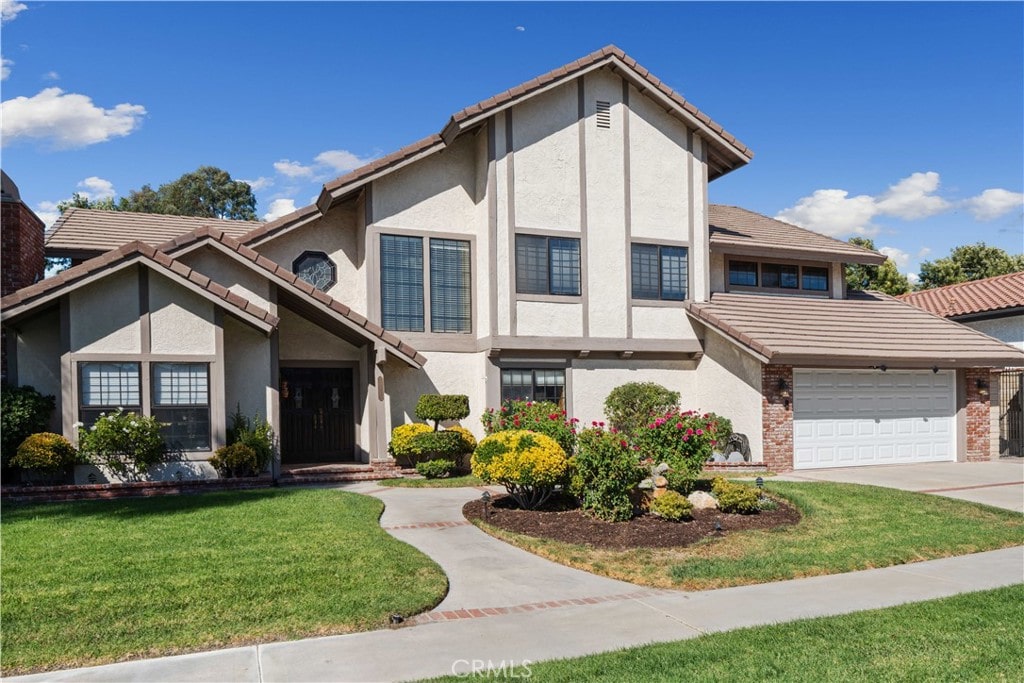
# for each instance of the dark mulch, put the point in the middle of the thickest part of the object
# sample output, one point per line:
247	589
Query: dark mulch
561	520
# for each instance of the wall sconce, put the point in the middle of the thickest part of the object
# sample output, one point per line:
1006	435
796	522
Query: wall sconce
935	369
982	387
784	392
883	368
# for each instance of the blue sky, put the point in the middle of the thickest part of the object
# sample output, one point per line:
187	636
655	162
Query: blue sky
899	121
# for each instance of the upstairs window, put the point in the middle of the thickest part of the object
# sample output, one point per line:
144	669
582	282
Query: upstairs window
659	272
316	268
778	276
547	265
815	279
401	283
743	273
403	279
449	286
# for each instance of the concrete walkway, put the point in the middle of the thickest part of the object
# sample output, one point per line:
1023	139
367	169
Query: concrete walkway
506	606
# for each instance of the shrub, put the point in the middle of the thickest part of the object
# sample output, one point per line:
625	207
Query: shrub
257	434
734	497
681	482
236	460
436	469
468	440
126	443
441	407
529	465
401	445
684	440
605	473
630	406
23	412
430	445
542	417
672	506
45	451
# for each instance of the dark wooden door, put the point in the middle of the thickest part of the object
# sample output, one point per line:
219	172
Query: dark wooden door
317	415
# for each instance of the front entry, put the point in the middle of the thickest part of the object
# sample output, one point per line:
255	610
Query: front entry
317	415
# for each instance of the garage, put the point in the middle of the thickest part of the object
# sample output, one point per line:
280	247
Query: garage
844	418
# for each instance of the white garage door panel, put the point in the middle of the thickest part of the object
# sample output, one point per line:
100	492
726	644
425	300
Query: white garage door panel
854	417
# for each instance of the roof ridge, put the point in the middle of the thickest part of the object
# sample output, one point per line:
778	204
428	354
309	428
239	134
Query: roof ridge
799	227
967	284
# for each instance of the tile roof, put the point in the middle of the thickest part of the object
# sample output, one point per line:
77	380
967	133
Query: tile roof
867	330
997	293
17	302
744	232
80	231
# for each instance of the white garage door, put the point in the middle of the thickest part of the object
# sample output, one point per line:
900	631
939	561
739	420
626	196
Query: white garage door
843	418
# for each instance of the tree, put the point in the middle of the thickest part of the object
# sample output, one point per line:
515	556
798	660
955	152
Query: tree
80	201
969	262
884	278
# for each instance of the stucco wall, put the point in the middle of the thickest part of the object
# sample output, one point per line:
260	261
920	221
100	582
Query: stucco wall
651	322
180	321
728	382
593	380
236	277
544	319
299	339
446	373
39	358
104	315
717	271
247	364
1009	329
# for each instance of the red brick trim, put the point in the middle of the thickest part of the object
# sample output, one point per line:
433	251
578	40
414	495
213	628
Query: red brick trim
136	489
474	613
777	417
978	387
426	525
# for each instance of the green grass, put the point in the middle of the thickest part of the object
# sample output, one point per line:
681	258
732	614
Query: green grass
91	582
846	527
449	483
972	637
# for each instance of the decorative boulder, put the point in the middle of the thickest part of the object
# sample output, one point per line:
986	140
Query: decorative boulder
717	457
702	500
662	468
735	456
660	486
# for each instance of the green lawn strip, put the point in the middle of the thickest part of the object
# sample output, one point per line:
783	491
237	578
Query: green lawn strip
846	527
971	637
92	582
449	483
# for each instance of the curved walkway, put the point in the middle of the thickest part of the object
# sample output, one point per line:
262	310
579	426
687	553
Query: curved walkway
508	606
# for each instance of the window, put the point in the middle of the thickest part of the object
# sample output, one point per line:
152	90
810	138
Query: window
316	268
547	265
815	279
181	400
108	386
743	273
402	284
778	276
449	286
533	385
659	272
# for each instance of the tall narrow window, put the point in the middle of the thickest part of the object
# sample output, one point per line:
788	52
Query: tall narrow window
531	264
181	401
449	286
548	265
108	386
659	272
401	282
564	253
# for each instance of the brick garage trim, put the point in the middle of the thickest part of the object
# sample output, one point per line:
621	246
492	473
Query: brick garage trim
777	417
978	421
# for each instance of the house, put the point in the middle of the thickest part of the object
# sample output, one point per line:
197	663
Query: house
551	242
995	306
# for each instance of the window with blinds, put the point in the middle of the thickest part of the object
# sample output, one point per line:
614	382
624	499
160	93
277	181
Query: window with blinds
548	265
401	282
450	297
104	387
659	272
533	384
181	402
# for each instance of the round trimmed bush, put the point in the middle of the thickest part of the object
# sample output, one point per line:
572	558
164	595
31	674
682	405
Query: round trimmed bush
441	407
672	506
529	465
630	406
401	446
734	497
435	469
468	440
236	460
46	452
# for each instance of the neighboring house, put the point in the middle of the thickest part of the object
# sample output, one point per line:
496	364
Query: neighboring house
552	242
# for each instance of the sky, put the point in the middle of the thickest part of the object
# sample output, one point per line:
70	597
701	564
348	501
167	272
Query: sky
903	122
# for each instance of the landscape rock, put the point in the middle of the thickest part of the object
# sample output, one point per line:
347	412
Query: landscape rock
702	500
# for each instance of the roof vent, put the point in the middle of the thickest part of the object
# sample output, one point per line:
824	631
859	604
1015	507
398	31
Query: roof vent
604	114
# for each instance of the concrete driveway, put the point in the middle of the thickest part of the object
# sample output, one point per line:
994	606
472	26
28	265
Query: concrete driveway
999	483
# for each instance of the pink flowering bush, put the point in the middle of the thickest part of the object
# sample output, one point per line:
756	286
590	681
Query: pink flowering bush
684	440
605	472
542	417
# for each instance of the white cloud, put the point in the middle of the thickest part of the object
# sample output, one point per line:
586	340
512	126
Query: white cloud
993	203
278	208
9	10
913	279
51	76
5	68
923	251
67	121
260	183
520	28
833	213
48	213
899	257
293	169
342	160
913	198
95	188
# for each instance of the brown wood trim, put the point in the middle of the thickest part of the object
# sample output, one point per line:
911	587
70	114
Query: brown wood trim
581	131
510	201
627	202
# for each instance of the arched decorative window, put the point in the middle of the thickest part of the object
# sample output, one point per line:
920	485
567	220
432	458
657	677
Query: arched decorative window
316	268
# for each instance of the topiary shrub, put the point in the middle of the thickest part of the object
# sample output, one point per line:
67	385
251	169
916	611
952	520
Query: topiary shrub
529	465
23	412
543	417
257	434
468	440
46	453
605	471
630	406
442	407
401	446
436	469
444	444
672	506
734	497
125	443
684	440
236	460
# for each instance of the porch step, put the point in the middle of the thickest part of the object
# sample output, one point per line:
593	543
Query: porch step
337	472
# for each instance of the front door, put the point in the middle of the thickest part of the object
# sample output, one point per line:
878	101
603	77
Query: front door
317	416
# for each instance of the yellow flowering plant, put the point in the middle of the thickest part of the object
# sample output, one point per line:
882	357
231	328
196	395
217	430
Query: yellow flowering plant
529	465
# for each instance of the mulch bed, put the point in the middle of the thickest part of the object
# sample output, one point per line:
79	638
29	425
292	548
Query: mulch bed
561	520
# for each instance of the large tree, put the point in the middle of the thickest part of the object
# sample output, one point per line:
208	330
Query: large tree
969	262
884	278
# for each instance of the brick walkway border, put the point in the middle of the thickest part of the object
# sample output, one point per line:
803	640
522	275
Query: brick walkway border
425	525
453	615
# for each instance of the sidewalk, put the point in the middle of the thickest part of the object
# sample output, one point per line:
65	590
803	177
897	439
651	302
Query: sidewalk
507	605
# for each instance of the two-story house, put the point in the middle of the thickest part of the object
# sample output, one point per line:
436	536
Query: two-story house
551	242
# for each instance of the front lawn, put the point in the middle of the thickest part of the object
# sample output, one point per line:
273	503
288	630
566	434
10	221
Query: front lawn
449	483
972	637
91	582
846	527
